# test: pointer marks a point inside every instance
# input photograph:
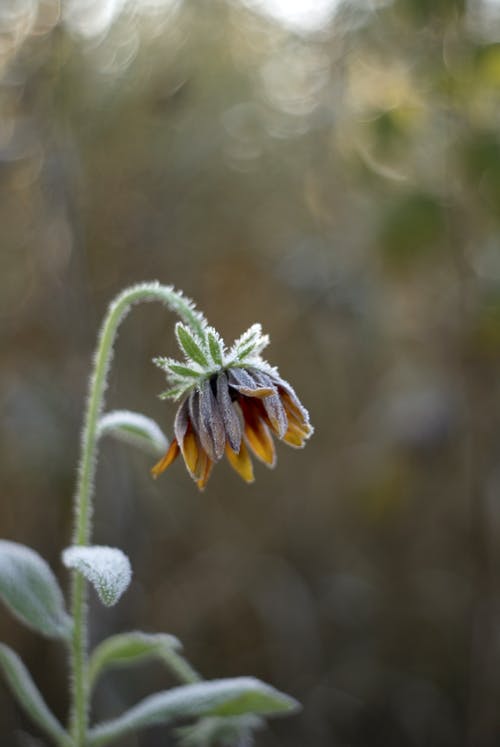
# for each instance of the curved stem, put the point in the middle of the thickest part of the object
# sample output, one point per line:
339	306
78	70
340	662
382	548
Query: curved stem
118	309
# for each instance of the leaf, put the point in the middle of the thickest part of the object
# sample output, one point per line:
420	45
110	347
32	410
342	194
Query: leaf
189	345
215	346
107	569
29	697
173	393
229	697
31	591
252	342
129	648
223	731
183	371
134	428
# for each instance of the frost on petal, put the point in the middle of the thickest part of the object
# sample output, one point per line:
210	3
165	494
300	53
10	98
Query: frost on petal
107	568
241	380
212	432
229	415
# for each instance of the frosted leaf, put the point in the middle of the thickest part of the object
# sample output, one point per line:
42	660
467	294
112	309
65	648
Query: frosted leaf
229	697
135	429
28	696
107	568
223	731
126	649
30	590
192	348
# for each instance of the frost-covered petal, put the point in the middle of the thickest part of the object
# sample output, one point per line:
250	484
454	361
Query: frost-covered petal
212	432
241	380
230	417
273	406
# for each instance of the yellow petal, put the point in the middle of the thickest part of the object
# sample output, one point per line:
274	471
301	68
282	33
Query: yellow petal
167	460
205	474
241	462
295	435
190	451
292	409
260	441
257	433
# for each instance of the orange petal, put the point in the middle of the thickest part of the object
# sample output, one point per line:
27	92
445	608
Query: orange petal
257	433
295	435
190	451
205	474
167	460
260	441
241	462
293	410
259	393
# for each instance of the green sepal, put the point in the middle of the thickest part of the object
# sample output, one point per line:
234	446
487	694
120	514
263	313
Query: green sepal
180	370
215	348
173	393
189	345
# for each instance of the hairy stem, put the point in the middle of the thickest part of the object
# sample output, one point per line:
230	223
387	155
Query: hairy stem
83	498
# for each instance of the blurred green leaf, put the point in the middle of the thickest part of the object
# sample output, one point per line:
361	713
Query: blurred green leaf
135	429
29	697
231	697
128	649
31	591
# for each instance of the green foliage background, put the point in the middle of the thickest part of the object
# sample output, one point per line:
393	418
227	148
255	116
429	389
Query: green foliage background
342	186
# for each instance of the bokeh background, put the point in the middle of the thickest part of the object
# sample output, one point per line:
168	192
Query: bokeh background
331	169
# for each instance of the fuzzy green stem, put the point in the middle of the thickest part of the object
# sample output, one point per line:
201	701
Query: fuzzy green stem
118	309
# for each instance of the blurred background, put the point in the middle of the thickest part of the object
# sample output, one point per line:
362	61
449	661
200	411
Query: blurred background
332	170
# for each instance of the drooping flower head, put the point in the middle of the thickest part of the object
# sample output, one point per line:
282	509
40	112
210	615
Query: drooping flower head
231	402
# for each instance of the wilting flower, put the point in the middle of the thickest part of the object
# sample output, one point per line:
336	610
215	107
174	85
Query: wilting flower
231	402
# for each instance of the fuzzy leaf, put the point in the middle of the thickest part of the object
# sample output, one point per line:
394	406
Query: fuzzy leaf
252	342
30	590
135	429
183	371
29	697
107	569
128	649
173	393
230	697
189	345
228	731
215	347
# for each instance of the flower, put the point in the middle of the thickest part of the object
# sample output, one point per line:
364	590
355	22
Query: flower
231	403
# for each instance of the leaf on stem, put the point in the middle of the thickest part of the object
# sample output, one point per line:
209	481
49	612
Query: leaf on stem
127	649
31	591
135	429
29	697
228	697
223	731
107	568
